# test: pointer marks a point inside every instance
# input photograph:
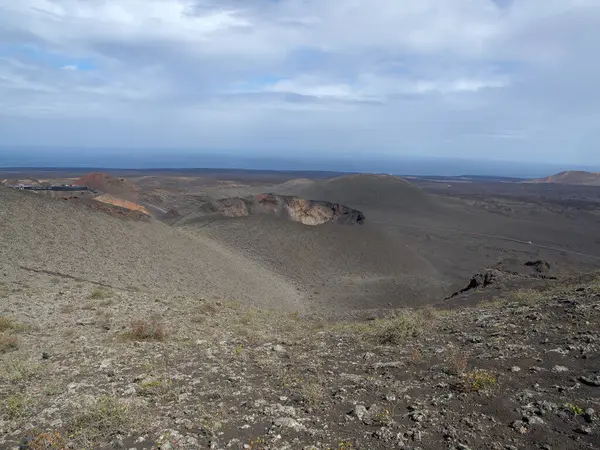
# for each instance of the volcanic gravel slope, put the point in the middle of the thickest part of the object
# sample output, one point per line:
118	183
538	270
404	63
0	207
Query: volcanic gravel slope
71	240
339	268
84	367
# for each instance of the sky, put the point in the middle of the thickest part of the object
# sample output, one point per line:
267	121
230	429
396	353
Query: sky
502	80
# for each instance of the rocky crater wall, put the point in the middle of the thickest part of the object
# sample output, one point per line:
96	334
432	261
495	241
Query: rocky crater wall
307	212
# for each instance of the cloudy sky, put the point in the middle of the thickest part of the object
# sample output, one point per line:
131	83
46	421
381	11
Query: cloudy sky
488	79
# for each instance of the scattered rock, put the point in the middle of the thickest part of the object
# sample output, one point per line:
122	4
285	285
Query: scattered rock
534	420
483	279
539	265
278	409
589	415
288	422
360	411
591	381
388	365
519	427
583	430
105	364
85	322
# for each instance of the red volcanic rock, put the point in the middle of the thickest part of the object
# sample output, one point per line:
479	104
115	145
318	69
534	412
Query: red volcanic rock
110	200
108	184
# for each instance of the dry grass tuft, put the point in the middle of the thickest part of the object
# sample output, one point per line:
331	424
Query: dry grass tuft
8	343
48	441
6	324
477	380
526	296
456	360
396	329
147	330
18	370
416	356
158	388
15	407
106	416
100	294
313	392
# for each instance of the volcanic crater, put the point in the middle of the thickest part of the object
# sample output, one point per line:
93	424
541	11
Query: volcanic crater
295	209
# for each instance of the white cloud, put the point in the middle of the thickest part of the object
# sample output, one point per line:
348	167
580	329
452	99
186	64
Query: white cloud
434	76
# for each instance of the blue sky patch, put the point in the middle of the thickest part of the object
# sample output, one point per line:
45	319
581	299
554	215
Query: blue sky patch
33	54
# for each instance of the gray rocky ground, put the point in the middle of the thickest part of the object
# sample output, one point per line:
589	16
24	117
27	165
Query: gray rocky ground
90	367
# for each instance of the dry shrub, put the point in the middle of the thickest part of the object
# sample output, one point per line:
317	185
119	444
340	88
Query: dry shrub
9	325
257	444
147	330
429	314
457	361
416	356
16	406
6	324
18	370
396	330
100	294
106	416
477	380
8	343
48	441
207	309
313	392
526	296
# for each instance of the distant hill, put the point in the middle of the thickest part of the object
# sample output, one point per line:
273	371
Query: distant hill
107	184
571	177
376	191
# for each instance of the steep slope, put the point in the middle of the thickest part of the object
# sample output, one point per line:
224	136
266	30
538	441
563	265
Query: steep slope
338	268
577	177
70	240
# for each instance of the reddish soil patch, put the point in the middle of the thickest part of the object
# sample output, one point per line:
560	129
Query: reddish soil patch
110	185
